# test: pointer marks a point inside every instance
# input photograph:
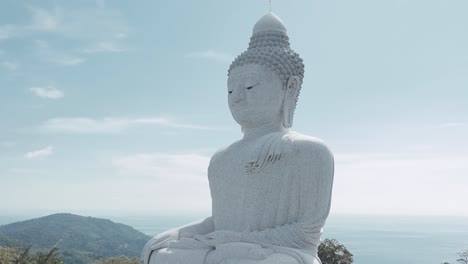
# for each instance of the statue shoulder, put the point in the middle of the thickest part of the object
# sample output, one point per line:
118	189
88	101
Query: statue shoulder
312	147
219	154
314	160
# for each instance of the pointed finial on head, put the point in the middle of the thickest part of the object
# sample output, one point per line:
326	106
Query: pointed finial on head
269	22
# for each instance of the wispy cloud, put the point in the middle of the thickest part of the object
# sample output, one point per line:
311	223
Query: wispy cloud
104	47
8	31
453	125
84	125
69	61
211	55
83	26
81	23
101	3
10	65
45	20
50	54
181	176
7	144
168	123
41	21
400	183
49	92
163	165
41	153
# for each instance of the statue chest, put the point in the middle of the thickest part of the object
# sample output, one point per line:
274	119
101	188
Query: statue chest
249	193
241	170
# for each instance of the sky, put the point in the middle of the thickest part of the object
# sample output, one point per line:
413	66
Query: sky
117	106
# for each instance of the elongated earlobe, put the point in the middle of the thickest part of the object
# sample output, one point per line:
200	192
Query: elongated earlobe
290	98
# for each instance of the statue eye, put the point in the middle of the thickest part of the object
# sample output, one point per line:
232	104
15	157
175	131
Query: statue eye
251	86
230	92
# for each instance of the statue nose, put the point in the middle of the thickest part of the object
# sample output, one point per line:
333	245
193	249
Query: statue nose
238	94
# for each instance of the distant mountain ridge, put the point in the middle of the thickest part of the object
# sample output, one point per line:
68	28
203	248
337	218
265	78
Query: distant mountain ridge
80	239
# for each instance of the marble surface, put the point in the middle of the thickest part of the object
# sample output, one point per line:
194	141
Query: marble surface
271	190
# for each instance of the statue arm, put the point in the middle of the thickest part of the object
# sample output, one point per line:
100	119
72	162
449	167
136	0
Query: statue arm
163	240
200	227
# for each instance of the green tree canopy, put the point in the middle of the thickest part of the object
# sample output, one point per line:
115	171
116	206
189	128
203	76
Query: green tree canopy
330	251
9	255
463	257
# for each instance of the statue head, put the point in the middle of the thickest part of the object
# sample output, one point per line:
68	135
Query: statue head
265	80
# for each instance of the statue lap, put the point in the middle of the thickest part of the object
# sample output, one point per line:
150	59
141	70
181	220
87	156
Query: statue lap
178	256
207	256
187	256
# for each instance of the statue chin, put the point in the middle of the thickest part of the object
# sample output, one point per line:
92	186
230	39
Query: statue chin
271	194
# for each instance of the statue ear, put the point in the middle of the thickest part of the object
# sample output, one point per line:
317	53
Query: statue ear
290	97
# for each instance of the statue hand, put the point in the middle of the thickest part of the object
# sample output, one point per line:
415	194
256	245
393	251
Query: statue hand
164	239
188	243
239	251
219	237
187	232
200	227
160	241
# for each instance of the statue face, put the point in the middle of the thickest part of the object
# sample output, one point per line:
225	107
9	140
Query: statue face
255	96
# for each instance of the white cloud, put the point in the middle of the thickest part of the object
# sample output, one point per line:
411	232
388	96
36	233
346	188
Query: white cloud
101	3
44	20
167	181
8	31
10	65
41	20
164	166
7	144
453	125
47	53
394	183
213	55
84	125
77	23
49	92
42	44
104	47
168	123
120	35
100	25
69	61
41	153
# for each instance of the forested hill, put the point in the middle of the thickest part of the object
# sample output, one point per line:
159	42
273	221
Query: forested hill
80	239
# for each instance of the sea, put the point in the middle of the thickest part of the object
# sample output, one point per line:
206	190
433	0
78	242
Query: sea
371	239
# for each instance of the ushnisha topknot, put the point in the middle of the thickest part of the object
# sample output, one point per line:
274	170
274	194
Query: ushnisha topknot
269	47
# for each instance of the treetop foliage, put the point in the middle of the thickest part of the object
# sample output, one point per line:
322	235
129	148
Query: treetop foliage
330	251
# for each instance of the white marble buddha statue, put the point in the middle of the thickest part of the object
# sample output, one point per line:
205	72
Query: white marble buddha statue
270	190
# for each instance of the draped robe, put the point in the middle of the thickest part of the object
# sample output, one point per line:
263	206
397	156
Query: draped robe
270	199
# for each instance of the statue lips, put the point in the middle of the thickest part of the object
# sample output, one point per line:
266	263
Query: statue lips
242	105
239	107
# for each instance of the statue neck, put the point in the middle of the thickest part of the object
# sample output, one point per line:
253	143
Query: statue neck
256	132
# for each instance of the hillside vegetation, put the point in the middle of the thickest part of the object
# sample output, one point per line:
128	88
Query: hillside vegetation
80	239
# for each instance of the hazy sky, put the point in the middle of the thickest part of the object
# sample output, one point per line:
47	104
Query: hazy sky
118	105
